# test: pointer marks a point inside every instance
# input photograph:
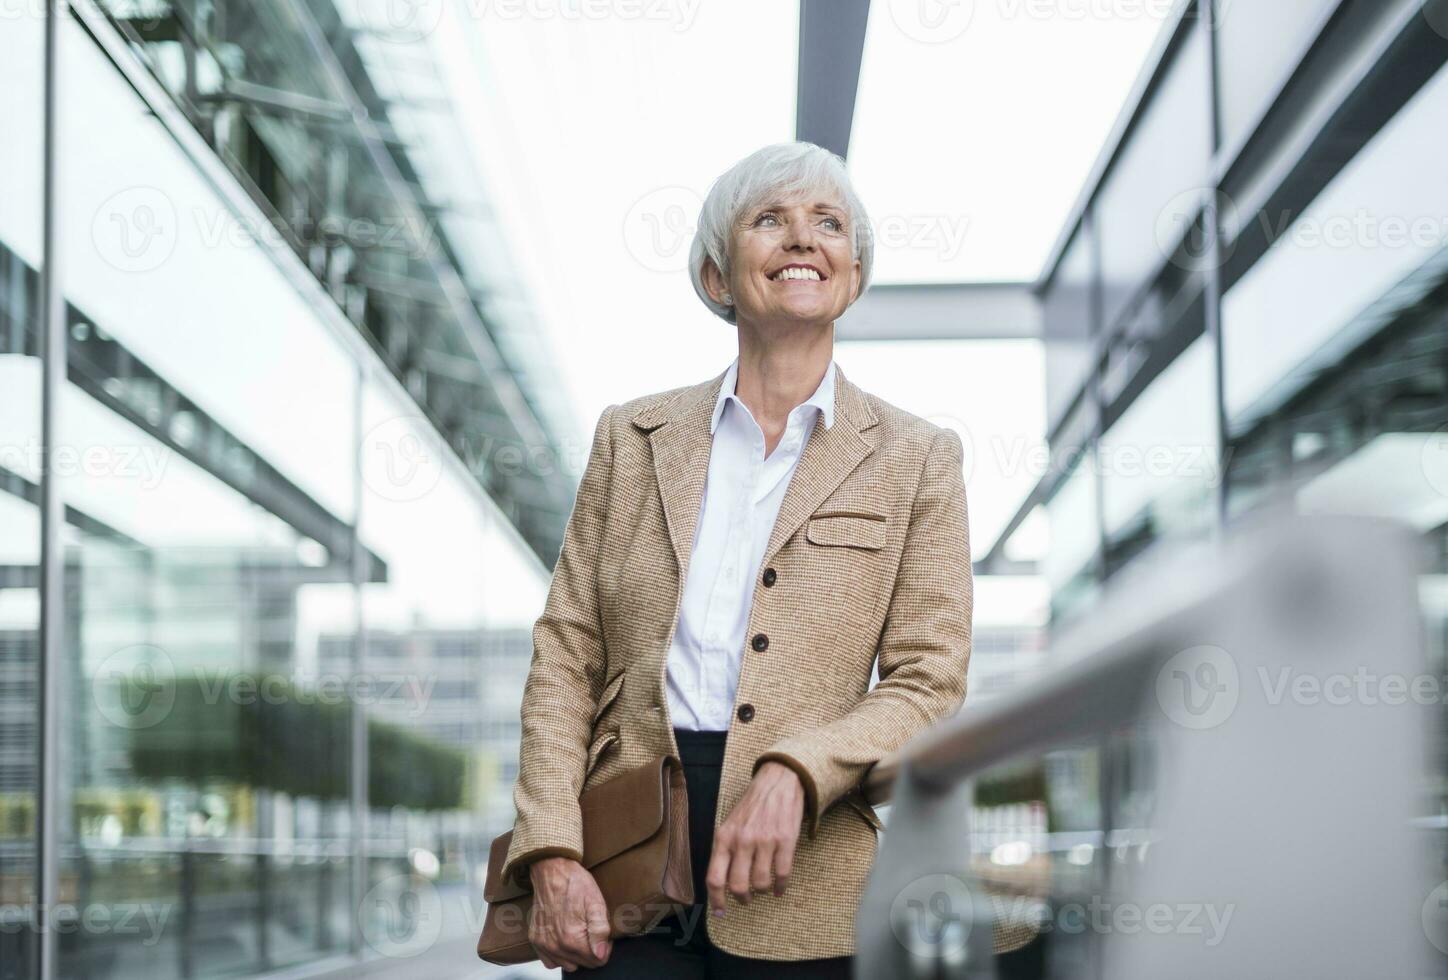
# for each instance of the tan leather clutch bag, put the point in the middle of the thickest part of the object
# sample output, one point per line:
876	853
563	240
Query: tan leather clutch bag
636	846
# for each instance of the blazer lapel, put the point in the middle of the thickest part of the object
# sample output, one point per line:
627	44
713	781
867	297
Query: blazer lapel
681	442
830	455
679	434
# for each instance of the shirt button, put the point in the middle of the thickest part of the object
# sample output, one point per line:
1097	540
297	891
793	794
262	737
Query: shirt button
760	642
746	712
769	577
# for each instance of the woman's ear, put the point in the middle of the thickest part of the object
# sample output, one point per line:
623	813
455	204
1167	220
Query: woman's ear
714	284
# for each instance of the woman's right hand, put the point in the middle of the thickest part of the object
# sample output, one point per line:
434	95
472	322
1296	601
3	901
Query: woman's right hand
569	926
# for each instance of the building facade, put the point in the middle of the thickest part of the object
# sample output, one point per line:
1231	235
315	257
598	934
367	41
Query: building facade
1249	305
306	485
1246	314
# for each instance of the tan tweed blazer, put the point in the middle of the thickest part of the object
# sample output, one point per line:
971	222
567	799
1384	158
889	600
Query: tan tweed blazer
871	557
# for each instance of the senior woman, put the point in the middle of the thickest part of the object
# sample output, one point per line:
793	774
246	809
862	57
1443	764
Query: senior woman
741	552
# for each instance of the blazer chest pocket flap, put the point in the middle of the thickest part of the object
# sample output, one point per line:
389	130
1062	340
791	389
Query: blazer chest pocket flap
847	530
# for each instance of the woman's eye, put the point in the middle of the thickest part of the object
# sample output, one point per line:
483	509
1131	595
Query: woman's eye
833	224
767	219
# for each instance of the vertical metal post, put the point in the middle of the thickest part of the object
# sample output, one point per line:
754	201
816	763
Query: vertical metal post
923	914
52	562
264	905
1098	326
1212	285
1107	789
358	755
186	948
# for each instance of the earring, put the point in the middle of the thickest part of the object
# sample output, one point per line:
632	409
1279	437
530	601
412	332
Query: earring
727	300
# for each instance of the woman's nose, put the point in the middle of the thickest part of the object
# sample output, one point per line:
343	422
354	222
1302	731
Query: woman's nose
801	236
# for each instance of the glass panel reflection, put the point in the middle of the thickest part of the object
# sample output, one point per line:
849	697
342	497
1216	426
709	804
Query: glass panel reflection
206	458
1049	834
1070	565
1066	315
1160	464
448	641
1259	44
1367	248
403	246
1148	203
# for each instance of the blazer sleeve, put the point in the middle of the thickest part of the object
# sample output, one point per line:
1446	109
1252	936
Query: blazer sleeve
924	646
565	680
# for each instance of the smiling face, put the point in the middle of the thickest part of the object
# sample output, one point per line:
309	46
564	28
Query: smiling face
791	261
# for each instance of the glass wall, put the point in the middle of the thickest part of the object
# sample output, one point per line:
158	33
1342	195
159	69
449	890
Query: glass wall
1347	412
449	630
1259	45
1071	564
1334	273
390	218
1338	276
295	627
1159	461
1148	202
1067	315
22	59
209	551
1328	396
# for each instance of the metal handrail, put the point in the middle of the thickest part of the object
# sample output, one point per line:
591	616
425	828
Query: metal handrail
1248	805
1104	663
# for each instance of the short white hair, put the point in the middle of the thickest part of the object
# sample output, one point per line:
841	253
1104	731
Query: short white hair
778	171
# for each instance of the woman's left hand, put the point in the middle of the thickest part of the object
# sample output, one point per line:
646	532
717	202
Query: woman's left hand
758	836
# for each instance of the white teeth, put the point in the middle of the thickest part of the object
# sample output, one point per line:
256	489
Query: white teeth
809	274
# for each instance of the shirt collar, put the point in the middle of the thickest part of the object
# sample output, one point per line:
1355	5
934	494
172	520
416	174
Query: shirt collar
822	399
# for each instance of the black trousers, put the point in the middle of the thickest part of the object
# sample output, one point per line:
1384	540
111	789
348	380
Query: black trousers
679	946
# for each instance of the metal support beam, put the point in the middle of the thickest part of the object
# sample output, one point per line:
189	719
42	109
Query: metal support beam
358	762
274	101
831	44
95	362
956	311
52	519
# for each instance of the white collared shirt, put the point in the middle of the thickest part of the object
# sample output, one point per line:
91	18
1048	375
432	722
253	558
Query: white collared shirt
741	501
